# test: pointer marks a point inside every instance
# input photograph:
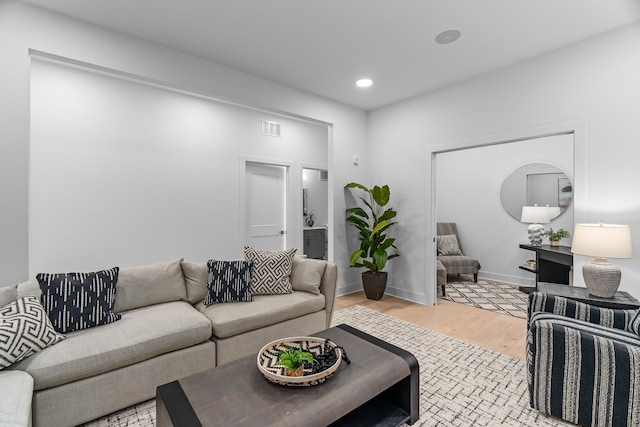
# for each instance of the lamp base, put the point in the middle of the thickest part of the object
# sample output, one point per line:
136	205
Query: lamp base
602	278
536	233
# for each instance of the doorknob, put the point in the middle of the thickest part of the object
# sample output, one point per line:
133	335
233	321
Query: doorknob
283	232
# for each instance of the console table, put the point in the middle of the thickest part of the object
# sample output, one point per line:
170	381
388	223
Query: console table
553	263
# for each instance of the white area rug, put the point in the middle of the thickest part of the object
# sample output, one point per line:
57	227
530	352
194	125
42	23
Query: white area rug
498	297
460	384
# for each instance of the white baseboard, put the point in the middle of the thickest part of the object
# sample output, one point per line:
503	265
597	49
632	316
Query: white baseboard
348	289
514	280
406	295
390	290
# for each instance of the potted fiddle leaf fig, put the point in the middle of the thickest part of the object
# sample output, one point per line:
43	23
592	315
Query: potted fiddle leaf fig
373	219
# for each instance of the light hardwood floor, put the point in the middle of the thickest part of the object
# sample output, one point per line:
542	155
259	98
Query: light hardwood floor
499	332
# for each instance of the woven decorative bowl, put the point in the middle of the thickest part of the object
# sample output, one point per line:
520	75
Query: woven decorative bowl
268	357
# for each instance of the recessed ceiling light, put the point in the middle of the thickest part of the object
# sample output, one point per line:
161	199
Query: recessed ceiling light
364	82
448	36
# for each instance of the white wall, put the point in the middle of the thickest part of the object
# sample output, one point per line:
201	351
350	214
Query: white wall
468	184
594	83
23	27
123	172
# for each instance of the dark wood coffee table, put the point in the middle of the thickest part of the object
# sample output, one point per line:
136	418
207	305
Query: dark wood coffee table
379	387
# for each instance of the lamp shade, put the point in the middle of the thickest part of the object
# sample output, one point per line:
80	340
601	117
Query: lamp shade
535	215
602	240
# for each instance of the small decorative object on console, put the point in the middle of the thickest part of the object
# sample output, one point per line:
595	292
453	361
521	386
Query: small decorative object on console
556	236
323	359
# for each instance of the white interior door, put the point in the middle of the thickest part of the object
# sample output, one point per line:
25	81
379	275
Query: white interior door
266	205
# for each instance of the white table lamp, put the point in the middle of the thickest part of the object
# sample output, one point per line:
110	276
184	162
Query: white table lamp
535	215
602	241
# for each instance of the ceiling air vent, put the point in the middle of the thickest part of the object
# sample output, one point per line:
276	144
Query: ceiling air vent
271	128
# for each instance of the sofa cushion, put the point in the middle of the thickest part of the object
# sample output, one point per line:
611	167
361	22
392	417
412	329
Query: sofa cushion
25	329
140	335
270	272
30	287
228	320
8	294
195	276
13	292
306	274
150	284
77	301
228	281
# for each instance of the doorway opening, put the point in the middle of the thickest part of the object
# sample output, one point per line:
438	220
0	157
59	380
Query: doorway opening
487	229
315	212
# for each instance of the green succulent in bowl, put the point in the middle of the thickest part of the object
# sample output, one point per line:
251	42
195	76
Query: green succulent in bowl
293	361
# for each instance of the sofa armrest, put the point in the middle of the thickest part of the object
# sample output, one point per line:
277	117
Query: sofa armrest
607	317
328	287
16	389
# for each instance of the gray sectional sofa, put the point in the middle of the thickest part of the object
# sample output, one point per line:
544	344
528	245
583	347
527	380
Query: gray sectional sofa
165	333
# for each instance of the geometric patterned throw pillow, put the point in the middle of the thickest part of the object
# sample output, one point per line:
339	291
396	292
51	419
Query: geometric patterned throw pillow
271	271
228	281
25	329
634	324
448	245
77	301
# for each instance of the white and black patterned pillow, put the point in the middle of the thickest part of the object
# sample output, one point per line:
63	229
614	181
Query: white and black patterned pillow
634	324
77	301
25	329
270	272
228	281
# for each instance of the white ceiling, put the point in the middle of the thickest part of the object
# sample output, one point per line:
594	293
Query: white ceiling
323	46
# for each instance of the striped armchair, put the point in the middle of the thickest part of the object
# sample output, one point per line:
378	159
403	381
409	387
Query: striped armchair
583	362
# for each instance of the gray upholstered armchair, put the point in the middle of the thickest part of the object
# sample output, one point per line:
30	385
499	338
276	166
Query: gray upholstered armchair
450	252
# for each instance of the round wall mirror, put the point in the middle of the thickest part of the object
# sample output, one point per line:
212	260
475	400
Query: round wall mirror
536	184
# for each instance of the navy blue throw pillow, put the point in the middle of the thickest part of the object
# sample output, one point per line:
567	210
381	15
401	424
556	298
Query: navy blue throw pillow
228	281
75	301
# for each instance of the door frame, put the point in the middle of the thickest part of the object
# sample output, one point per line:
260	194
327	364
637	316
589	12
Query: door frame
300	225
293	199
577	127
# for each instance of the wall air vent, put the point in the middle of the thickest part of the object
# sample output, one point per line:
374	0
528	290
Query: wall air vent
271	128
